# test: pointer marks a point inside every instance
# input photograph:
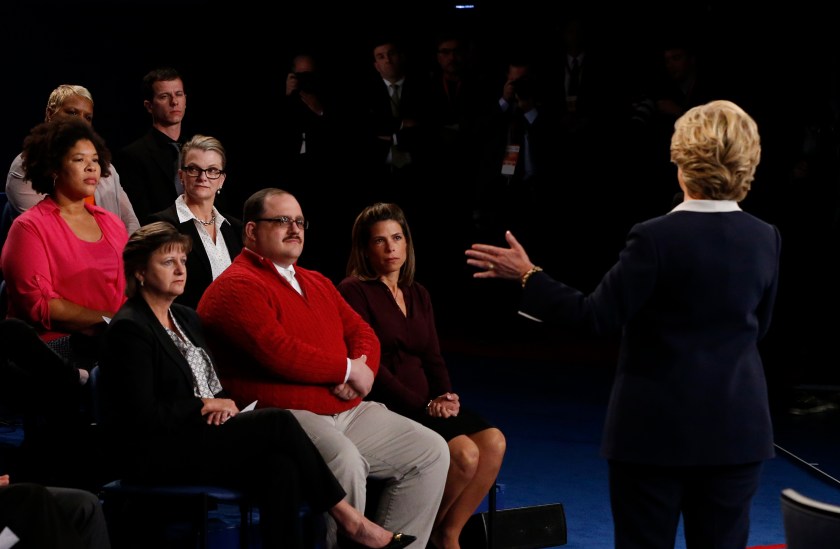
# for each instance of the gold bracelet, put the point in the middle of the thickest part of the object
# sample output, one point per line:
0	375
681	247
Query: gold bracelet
528	275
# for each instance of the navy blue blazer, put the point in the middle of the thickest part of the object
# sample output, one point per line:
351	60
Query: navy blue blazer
692	294
199	272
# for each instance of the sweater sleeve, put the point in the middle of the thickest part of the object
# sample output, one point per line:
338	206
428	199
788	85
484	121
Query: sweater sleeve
264	330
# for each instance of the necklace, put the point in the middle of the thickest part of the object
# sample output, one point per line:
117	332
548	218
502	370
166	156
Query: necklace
206	223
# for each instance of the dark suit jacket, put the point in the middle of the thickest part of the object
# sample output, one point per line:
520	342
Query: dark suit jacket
380	120
199	274
692	294
147	172
149	409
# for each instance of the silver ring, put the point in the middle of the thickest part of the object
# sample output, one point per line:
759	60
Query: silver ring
490	266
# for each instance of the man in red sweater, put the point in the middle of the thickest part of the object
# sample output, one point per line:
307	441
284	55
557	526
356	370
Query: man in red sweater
282	335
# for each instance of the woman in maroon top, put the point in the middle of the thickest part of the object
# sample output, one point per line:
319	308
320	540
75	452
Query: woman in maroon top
413	379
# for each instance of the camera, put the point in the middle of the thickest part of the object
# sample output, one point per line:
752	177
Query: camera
307	81
524	87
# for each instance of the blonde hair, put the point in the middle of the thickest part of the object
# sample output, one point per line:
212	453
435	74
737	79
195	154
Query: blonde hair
60	95
204	143
717	148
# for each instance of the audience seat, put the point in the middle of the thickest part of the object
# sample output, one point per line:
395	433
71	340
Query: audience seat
808	523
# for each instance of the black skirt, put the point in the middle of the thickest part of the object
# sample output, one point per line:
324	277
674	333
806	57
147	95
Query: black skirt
466	422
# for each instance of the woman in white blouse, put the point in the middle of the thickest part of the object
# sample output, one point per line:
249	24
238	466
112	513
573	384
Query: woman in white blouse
217	238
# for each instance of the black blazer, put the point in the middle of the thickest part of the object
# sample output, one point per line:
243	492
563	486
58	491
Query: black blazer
692	294
149	409
147	173
381	121
199	273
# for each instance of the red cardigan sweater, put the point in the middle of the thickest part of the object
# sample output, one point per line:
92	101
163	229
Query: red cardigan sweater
278	347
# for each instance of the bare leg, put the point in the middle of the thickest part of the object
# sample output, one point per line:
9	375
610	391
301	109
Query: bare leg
475	461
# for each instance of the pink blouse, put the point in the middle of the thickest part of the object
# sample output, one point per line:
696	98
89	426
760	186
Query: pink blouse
43	259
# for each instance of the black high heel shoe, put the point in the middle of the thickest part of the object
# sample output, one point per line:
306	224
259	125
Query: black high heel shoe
400	540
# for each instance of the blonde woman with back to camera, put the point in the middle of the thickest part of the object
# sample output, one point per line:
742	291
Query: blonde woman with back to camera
692	293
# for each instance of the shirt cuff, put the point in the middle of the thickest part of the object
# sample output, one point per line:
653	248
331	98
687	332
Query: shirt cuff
347	374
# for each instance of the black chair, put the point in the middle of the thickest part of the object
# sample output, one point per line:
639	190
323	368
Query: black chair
120	499
7	215
808	523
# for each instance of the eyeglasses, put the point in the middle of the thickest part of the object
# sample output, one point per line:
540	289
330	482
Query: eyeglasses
286	222
195	171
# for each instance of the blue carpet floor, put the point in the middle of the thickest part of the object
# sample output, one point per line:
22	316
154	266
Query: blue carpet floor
551	412
550	404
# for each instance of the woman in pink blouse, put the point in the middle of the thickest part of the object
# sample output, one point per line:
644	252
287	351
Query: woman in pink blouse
62	263
62	260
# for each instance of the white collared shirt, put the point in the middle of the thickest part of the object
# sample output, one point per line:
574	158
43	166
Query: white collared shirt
707	206
289	274
217	252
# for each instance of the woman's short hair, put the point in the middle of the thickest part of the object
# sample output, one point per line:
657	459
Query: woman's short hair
62	93
717	148
359	265
47	144
143	243
204	143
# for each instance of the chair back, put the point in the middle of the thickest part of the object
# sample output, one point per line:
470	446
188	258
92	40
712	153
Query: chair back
93	383
808	523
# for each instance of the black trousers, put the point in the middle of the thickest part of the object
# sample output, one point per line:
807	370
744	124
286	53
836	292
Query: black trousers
714	502
60	518
266	454
44	387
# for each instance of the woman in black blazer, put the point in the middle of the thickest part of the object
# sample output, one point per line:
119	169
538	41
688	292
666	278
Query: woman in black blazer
688	423
217	238
171	421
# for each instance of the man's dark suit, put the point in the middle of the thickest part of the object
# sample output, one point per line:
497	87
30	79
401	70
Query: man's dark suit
151	412
147	172
692	294
199	273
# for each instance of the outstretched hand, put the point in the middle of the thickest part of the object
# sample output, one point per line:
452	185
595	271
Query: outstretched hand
497	262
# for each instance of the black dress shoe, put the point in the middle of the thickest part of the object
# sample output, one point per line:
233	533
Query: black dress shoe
400	540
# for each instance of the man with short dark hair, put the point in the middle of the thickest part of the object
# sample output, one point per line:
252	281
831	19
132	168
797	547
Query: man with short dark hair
149	165
285	337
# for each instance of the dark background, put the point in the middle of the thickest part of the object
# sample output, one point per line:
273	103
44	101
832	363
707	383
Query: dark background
781	64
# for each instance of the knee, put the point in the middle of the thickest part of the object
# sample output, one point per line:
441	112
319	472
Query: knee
88	504
464	457
496	444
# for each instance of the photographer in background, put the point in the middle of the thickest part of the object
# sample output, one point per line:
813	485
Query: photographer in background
312	148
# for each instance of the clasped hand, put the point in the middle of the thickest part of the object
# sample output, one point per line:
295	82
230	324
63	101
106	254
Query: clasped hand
446	405
218	410
359	382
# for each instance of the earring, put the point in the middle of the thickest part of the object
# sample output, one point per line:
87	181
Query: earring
219	191
141	282
55	178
